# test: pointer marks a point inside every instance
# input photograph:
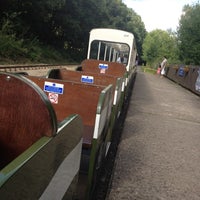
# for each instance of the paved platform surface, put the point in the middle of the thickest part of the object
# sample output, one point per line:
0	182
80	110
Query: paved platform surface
159	154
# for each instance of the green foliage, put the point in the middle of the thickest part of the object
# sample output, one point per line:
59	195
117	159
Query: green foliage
135	25
149	70
158	44
16	50
189	35
63	25
11	47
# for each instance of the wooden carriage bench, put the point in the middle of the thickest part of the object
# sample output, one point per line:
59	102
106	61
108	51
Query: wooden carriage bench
94	79
111	68
33	146
93	103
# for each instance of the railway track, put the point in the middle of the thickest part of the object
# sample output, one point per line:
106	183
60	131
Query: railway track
35	69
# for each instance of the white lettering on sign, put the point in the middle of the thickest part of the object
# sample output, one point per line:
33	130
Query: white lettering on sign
103	66
53	87
87	79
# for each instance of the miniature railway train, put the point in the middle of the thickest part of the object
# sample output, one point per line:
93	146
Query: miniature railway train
56	131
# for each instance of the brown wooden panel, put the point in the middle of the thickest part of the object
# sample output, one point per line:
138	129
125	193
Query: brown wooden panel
99	79
25	116
77	98
114	69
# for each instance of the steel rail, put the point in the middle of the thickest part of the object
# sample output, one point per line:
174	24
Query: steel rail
11	68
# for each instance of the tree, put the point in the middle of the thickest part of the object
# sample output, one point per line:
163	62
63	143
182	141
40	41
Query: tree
136	26
158	44
65	24
126	19
189	35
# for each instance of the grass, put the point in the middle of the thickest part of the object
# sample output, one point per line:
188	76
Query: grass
149	70
14	51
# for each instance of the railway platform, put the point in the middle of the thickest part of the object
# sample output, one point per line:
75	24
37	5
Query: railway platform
158	155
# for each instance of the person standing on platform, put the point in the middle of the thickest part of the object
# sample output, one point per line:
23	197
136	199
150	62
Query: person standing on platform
163	64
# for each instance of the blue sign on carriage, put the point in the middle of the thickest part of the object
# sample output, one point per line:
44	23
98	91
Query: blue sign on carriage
103	66
87	79
53	87
181	71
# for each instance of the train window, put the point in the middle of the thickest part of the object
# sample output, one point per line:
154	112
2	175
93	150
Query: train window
109	51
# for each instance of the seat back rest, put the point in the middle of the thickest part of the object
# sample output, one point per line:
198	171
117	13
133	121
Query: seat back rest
83	77
104	67
77	98
91	78
26	115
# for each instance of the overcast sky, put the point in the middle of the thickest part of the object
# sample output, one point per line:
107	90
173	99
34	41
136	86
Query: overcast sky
159	14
